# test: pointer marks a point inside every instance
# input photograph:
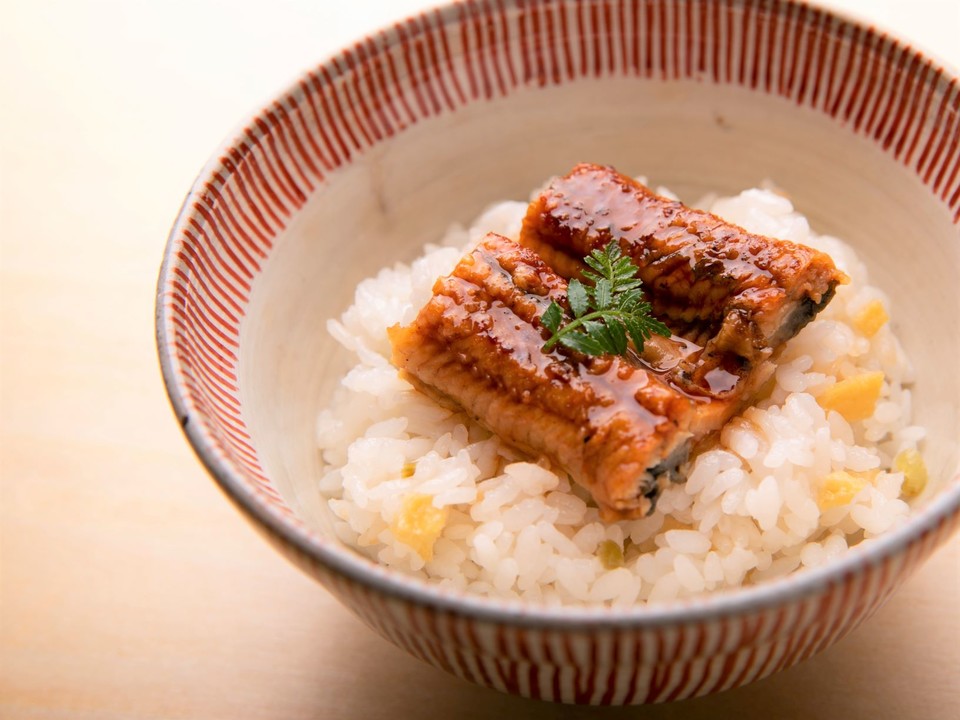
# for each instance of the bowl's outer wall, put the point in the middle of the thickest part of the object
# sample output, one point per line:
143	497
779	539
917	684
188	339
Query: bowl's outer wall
609	664
440	66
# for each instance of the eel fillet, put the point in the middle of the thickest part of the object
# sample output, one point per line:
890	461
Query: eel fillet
616	427
619	426
736	294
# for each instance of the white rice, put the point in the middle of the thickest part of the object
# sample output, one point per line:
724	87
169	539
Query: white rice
513	527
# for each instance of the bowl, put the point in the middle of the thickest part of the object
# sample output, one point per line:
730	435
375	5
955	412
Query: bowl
381	147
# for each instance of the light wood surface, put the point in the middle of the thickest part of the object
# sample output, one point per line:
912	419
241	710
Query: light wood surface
129	587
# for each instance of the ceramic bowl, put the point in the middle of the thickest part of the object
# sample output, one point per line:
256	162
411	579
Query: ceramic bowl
382	146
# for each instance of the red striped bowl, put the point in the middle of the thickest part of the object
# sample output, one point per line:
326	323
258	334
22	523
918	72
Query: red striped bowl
380	147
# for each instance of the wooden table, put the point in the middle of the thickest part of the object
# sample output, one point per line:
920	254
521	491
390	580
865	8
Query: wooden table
129	588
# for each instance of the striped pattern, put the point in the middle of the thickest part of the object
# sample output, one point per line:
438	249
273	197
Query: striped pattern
618	664
471	52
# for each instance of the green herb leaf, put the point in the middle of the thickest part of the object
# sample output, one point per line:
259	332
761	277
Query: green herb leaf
607	312
602	294
638	333
598	331
632	298
582	343
618	334
578	297
552	317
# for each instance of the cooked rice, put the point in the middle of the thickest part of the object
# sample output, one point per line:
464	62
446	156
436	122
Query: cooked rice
788	485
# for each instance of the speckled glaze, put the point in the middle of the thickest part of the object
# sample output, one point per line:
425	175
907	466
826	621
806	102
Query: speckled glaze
378	149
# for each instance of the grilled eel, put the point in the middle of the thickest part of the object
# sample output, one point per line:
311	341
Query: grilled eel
736	294
620	427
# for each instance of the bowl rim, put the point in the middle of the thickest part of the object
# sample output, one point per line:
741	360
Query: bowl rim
395	584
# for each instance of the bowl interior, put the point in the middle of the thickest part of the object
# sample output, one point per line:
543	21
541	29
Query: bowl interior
692	137
375	154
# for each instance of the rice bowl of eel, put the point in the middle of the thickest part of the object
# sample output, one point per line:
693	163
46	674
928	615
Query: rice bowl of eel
742	568
795	458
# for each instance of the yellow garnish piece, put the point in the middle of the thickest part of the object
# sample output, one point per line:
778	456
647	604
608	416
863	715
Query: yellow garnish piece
839	488
419	523
871	318
610	554
855	398
408	470
914	470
